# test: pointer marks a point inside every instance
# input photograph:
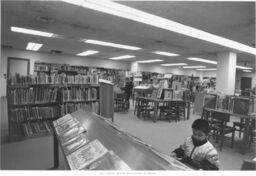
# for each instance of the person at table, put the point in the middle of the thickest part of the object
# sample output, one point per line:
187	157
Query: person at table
197	151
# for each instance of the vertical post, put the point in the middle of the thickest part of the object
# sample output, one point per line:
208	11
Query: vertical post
56	151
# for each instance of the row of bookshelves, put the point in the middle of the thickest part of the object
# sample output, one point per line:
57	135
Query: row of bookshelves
44	78
79	94
71	107
25	114
32	95
30	129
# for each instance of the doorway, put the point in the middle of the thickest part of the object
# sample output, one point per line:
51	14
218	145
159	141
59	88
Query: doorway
246	83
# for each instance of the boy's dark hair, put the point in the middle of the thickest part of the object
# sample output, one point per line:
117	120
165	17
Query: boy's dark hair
202	125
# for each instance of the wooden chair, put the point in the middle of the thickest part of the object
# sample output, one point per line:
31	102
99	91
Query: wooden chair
120	102
239	126
169	111
221	129
181	109
252	133
145	108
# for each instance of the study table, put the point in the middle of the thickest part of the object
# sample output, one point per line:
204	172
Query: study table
247	121
133	151
157	101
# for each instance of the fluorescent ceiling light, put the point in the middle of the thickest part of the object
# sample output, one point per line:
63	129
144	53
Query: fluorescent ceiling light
174	64
166	53
31	31
86	53
123	11
122	57
150	61
247	71
194	67
33	46
97	42
202	60
206	69
241	67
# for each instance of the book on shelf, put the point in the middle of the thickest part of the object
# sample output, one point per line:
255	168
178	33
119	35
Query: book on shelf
86	155
109	161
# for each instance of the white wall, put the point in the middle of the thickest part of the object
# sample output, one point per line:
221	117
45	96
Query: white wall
54	58
161	69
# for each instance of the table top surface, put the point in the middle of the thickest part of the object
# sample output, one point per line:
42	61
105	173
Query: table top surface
135	153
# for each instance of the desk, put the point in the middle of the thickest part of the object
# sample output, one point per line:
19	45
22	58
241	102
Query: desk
135	153
156	102
246	130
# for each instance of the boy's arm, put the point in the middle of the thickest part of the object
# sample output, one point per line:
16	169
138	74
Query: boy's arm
211	162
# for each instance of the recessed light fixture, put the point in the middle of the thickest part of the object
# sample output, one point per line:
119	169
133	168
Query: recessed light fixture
174	64
97	42
31	32
166	53
122	57
202	60
33	46
194	66
130	13
247	71
87	53
245	68
206	69
150	61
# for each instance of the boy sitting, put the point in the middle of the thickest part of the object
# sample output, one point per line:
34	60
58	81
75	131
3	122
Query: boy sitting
197	151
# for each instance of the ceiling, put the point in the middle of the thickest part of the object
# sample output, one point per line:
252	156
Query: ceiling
232	20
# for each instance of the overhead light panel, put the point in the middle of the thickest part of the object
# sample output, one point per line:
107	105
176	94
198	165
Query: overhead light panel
174	64
97	42
166	53
248	71
194	66
122	57
33	46
150	61
202	60
87	53
245	68
31	32
113	8
206	69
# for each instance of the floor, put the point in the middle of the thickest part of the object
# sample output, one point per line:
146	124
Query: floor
37	153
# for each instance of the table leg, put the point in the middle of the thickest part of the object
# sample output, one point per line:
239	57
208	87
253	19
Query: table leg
246	136
155	111
56	151
188	111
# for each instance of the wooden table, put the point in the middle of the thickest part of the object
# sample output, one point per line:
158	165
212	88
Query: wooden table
247	121
138	155
156	102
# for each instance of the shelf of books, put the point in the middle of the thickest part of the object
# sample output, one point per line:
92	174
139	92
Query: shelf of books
91	142
35	100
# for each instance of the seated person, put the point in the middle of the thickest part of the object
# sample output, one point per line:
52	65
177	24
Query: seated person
197	151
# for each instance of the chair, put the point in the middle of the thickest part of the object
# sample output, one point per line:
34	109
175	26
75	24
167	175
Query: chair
248	165
181	109
220	129
145	108
120	102
169	111
252	133
239	126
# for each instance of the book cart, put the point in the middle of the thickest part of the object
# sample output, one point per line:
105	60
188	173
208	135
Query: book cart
91	142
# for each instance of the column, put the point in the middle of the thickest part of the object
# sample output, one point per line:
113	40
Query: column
226	72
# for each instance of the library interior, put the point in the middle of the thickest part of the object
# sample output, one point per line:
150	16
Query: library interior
128	85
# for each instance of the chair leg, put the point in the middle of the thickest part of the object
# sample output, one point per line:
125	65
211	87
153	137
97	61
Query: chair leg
232	139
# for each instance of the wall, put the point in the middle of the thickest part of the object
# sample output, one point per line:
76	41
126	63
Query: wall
54	58
161	69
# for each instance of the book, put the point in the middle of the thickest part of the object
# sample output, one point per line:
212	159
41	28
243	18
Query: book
86	155
74	143
62	120
71	133
66	125
109	161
